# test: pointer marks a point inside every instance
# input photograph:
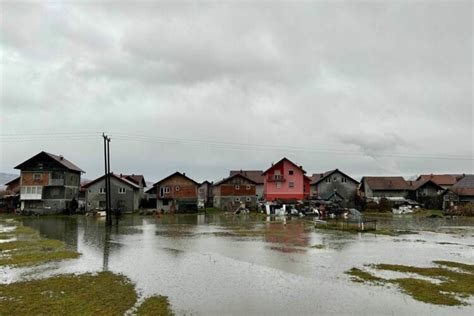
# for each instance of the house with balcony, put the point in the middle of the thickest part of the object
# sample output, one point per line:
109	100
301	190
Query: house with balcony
48	183
235	191
176	193
126	192
286	181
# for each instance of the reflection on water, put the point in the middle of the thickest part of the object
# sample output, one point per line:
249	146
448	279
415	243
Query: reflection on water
227	264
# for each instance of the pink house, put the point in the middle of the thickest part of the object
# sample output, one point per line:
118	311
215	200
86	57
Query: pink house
286	181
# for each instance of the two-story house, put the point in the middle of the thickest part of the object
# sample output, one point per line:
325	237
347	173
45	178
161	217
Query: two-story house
254	175
176	193
205	195
375	188
48	183
126	192
285	181
233	191
327	185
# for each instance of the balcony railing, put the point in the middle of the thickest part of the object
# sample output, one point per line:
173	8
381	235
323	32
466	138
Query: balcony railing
276	178
56	181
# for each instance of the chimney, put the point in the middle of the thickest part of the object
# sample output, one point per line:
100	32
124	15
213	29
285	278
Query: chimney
61	157
133	174
184	173
120	175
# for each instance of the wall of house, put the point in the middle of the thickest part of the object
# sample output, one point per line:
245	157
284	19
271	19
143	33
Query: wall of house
272	191
128	201
27	178
335	182
182	195
232	203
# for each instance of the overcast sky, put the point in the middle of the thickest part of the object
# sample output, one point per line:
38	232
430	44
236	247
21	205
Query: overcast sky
198	87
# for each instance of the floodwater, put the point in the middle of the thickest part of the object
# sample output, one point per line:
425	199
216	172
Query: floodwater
252	265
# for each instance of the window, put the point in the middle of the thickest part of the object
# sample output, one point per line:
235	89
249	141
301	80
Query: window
237	199
278	184
88	203
248	199
343	180
167	189
122	190
177	188
102	190
201	190
290	172
328	180
291	184
237	187
248	187
37	177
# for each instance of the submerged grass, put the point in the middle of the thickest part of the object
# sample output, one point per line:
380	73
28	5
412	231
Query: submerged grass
155	305
87	294
456	281
30	249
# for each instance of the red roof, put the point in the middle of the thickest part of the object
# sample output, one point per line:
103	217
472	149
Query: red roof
441	179
281	161
415	185
254	175
386	183
137	178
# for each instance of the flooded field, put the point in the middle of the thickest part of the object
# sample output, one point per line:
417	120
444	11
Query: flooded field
254	265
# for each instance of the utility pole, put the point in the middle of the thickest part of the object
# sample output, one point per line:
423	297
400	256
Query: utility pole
108	215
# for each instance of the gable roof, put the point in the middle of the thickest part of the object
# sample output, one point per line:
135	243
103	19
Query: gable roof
441	179
330	195
254	175
415	185
465	186
318	177
12	181
177	173
385	183
281	161
137	178
59	159
121	179
238	175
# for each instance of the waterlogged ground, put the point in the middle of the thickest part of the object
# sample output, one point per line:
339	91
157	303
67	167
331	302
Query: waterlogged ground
229	264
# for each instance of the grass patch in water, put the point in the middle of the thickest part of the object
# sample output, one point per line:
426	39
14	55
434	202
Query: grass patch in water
155	305
87	294
454	286
361	276
318	246
32	249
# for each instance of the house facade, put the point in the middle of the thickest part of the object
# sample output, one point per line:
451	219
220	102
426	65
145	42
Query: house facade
286	181
461	192
125	194
383	187
234	191
48	183
177	193
205	198
254	175
325	185
424	189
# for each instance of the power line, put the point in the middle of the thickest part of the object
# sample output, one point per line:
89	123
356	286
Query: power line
86	136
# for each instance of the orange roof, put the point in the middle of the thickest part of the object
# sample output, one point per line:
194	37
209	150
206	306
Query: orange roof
441	179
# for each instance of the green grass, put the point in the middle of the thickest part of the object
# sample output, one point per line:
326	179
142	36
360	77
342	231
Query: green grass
32	249
155	305
456	281
87	294
360	276
318	246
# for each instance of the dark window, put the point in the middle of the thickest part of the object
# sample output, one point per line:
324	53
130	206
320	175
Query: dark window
290	172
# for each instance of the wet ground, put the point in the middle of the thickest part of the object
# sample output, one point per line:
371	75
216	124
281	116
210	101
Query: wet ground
253	265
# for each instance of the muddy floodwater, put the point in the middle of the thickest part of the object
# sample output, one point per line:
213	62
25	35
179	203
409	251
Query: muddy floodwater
253	265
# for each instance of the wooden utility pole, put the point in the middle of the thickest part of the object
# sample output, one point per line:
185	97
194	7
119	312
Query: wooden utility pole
108	215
